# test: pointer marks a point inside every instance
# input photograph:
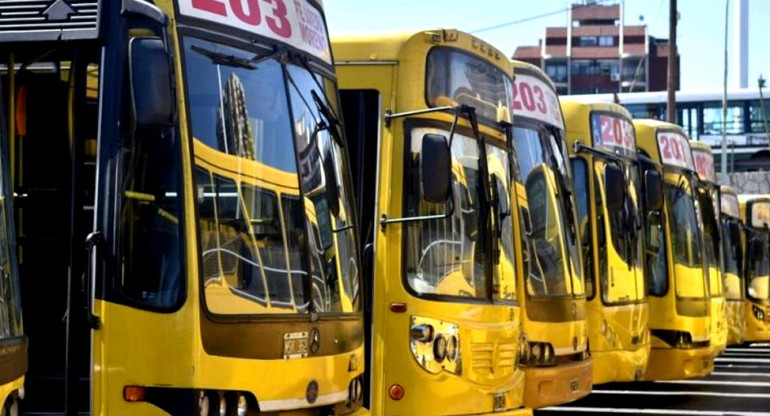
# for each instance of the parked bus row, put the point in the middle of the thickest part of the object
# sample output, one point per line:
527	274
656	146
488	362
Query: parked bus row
203	212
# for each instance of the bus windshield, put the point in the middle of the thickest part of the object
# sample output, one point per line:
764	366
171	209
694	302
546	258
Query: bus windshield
759	267
710	240
685	240
556	255
624	229
455	77
274	204
447	257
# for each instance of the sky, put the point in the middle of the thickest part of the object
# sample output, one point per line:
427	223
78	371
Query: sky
700	34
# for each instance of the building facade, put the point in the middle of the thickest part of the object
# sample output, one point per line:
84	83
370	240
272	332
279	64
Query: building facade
598	53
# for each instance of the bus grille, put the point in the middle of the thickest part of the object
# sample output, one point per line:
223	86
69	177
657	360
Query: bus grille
485	358
30	20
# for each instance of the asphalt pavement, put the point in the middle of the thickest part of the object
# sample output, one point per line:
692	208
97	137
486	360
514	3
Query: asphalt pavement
740	385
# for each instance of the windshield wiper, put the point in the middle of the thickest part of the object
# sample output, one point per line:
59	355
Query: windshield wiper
220	58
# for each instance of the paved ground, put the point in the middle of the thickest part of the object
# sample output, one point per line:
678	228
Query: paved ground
740	385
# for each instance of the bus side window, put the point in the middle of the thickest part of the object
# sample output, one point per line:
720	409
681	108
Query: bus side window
149	213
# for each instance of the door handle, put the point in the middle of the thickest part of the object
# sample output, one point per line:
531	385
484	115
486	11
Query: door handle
93	240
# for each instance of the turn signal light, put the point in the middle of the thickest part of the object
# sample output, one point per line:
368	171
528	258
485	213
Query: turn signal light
398	307
396	392
133	393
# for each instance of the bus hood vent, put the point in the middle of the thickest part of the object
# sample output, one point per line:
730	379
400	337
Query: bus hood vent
47	20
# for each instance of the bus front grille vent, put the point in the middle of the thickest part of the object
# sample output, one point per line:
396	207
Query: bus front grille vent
491	357
46	20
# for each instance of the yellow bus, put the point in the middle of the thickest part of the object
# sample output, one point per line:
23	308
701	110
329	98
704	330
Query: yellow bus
677	285
428	115
755	213
193	148
552	294
708	203
732	260
608	188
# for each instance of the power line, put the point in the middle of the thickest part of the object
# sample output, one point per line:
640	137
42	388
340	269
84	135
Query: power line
526	19
540	16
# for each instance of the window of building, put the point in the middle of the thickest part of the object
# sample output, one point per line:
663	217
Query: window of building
606	41
712	118
557	71
756	118
588	41
584	67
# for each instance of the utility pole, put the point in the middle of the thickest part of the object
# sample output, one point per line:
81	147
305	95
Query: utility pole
723	154
672	18
761	82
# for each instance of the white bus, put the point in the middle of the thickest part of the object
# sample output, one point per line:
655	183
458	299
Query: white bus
700	114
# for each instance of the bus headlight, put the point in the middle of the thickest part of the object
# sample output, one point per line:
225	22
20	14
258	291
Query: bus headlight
525	351
435	345
541	354
439	348
452	348
222	406
758	312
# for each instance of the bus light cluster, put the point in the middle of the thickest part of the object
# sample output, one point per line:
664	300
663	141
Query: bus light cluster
435	345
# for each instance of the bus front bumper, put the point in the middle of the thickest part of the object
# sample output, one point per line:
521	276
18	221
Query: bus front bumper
676	363
548	386
620	365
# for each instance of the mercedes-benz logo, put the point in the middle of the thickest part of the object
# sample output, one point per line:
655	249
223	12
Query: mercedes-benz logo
311	392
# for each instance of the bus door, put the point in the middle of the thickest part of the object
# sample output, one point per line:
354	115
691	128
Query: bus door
52	123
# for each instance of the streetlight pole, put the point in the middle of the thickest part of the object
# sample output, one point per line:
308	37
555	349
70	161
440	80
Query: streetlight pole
723	154
672	61
761	82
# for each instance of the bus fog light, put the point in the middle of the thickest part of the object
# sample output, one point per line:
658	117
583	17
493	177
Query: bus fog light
440	348
452	348
243	406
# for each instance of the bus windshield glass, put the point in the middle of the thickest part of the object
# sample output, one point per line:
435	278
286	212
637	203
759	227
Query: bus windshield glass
455	77
624	229
273	200
555	255
710	229
759	266
685	240
446	257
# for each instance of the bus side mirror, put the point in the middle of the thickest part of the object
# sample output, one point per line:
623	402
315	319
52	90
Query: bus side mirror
613	187
150	75
653	191
435	168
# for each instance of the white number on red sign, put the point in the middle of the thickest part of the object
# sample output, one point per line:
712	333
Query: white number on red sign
534	98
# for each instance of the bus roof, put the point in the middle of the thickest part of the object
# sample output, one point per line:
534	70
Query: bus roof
388	46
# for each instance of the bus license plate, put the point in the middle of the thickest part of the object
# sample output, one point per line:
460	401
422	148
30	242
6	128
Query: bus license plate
295	345
499	401
574	385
